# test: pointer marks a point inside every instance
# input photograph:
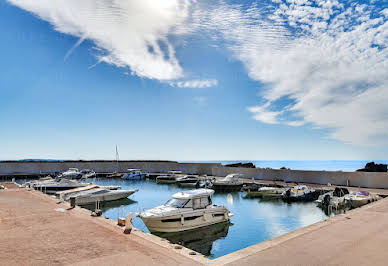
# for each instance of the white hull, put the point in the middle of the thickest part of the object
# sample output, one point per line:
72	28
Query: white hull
113	195
355	203
183	222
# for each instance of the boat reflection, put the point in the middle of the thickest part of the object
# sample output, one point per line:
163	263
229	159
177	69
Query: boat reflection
105	206
200	240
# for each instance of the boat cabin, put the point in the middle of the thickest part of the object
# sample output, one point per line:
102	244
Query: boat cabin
134	170
195	199
173	172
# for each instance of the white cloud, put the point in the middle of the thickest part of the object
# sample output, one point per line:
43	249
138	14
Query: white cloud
196	83
130	33
329	60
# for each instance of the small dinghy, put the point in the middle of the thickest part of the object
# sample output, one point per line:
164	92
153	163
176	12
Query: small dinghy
185	211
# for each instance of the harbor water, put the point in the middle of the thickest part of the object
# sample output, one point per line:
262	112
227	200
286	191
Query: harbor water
254	220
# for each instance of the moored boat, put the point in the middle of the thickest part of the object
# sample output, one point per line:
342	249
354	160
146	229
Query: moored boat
274	192
335	198
185	211
94	194
229	183
188	181
134	174
360	198
300	193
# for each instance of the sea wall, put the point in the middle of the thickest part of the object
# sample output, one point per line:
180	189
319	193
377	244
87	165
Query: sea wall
356	179
51	167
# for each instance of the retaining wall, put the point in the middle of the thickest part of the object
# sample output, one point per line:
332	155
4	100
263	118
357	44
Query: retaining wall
356	179
48	167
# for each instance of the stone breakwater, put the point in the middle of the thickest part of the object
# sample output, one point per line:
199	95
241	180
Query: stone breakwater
355	179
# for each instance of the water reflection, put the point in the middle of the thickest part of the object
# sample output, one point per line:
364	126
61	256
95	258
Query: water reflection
105	206
200	240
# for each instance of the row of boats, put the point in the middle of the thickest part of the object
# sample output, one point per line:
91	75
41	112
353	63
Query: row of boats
336	198
192	209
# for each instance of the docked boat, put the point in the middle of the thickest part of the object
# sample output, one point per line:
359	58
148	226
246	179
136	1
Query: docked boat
335	198
188	181
300	193
229	183
360	198
72	173
166	179
185	211
94	193
134	174
52	186
87	173
274	192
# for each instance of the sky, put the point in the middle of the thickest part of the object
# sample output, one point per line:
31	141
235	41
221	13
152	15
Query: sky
194	79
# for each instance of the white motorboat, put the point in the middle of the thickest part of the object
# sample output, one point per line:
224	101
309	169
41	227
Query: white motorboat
229	183
188	181
134	174
266	192
360	198
300	193
169	178
94	194
87	173
186	210
72	173
335	198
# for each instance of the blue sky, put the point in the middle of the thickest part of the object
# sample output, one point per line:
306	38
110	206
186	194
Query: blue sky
194	80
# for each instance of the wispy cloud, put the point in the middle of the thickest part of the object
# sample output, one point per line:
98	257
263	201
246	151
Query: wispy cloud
329	58
196	83
129	33
200	100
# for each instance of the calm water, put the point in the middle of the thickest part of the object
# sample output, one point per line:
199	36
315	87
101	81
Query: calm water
254	220
328	165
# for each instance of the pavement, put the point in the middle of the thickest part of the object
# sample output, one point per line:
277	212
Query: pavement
36	230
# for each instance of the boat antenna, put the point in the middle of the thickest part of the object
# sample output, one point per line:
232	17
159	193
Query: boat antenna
117	158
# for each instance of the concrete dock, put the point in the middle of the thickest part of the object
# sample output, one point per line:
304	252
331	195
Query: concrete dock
35	229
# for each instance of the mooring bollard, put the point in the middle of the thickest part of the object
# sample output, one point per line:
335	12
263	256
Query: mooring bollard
72	202
128	224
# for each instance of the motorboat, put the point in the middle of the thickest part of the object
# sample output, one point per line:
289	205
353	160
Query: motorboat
229	183
188	181
72	173
87	173
275	192
300	193
185	211
360	198
52	186
94	193
169	178
134	174
334	198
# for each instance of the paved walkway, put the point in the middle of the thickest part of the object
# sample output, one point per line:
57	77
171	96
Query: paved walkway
359	237
34	230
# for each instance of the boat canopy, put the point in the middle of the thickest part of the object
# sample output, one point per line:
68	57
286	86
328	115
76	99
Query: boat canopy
72	170
195	193
133	170
175	172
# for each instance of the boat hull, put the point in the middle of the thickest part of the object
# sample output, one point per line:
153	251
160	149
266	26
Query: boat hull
85	200
184	222
226	188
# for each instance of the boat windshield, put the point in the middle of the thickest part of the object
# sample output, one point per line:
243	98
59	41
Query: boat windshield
176	203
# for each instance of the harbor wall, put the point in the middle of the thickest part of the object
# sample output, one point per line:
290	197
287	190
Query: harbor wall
356	179
51	167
